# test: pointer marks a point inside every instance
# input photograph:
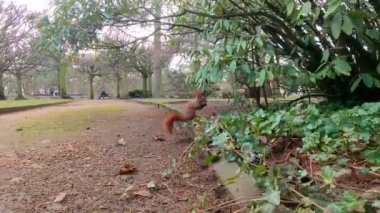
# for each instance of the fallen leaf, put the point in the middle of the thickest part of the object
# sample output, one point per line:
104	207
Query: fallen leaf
187	175
129	188
262	138
108	184
60	197
16	180
127	169
142	193
183	199
121	142
158	138
151	185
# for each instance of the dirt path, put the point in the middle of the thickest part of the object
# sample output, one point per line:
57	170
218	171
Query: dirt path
85	170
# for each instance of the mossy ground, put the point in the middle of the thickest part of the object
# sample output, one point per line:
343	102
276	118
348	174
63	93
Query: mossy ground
59	126
29	102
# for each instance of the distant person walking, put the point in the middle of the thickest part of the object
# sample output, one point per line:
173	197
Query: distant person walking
103	95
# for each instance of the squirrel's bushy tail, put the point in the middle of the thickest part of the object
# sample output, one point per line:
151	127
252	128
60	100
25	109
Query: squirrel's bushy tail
168	122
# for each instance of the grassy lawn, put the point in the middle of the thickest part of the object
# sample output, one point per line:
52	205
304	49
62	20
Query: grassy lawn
29	102
61	124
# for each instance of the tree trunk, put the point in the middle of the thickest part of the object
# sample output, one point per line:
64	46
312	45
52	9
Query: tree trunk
58	78
19	86
145	85
91	78
265	95
63	69
150	84
157	5
2	92
118	84
254	92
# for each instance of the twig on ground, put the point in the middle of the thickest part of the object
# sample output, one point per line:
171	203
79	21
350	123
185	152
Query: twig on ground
306	199
232	203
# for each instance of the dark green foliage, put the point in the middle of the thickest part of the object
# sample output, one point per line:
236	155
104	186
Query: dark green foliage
330	136
137	93
332	46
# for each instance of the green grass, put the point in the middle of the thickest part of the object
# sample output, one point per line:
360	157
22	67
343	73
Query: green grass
29	102
60	124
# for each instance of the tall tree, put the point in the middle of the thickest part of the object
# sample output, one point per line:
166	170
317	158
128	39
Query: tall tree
157	68
89	64
14	22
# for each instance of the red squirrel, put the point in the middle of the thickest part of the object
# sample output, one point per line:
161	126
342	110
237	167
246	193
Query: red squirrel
198	103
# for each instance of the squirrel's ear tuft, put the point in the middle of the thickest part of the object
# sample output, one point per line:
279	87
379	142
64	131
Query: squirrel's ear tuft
198	94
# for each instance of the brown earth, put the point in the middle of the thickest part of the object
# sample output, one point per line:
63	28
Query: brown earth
81	173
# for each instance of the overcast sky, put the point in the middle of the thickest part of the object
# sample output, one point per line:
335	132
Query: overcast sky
34	5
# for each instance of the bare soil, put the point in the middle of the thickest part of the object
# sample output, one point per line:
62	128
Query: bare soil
81	175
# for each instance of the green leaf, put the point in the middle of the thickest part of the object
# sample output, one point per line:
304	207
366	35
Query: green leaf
378	68
245	68
347	25
306	8
317	12
332	6
363	170
353	202
262	76
355	84
226	24
376	204
376	83
336	25
336	208
273	197
216	58
231	180
326	55
229	49
260	170
244	44
368	80
373	156
328	175
220	139
341	67
233	65
259	41
289	8
210	159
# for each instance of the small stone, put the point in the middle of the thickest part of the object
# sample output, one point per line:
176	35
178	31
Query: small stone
142	193
45	141
183	199
129	188
151	185
55	207
60	197
16	180
121	142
